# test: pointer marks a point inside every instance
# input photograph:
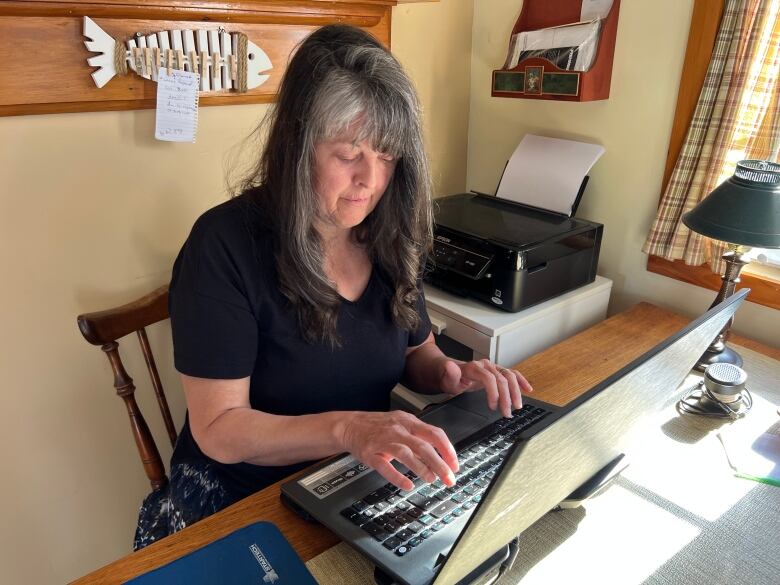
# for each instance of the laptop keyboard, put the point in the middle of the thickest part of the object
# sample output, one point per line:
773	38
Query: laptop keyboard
402	520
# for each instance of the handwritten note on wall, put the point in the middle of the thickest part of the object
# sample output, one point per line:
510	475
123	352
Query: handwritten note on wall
177	106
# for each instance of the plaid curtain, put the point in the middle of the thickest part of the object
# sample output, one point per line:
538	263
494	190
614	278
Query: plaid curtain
737	117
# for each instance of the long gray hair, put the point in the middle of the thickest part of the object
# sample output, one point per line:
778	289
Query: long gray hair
342	82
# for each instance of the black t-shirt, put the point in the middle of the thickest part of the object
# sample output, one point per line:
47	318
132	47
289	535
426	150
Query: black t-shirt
230	321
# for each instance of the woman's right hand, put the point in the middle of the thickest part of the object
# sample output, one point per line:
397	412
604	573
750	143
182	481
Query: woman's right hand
376	438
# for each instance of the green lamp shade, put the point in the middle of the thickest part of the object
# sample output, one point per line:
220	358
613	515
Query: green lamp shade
744	209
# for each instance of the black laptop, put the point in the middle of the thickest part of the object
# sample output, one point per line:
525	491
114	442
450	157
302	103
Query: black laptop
512	471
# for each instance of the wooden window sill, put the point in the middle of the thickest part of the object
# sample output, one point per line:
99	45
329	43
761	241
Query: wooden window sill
764	291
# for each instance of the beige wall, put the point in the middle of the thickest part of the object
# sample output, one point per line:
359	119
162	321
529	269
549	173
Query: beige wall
92	213
633	125
433	41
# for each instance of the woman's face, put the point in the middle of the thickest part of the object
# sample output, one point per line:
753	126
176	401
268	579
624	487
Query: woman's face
350	179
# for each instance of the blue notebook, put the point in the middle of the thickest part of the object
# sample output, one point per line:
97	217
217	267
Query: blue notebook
257	553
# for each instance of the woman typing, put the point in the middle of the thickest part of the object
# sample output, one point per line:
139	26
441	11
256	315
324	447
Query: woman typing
297	305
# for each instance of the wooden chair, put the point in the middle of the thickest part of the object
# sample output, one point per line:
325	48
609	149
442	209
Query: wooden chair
105	328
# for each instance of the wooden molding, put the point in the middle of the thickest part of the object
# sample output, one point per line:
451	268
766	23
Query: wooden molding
701	40
318	10
764	291
57	79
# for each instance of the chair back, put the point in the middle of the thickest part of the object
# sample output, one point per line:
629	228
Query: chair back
105	328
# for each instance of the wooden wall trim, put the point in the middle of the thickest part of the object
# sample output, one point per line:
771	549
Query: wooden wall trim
701	40
764	291
58	79
279	11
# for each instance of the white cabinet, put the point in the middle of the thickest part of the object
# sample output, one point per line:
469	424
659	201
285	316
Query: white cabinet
507	338
481	331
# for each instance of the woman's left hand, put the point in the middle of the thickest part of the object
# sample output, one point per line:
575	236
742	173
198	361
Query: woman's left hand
504	387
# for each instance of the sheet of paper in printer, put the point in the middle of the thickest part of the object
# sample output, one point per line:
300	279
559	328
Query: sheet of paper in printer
547	172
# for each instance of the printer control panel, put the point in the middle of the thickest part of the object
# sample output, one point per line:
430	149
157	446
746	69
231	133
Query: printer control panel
449	254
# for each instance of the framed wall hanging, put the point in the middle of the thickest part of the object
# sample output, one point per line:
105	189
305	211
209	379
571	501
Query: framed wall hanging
560	50
95	55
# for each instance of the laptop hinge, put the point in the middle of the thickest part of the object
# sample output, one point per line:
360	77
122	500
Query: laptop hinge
596	484
492	564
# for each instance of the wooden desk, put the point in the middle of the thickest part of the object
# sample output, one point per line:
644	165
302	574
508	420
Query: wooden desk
558	374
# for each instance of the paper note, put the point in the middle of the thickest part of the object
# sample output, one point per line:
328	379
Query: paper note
547	172
758	459
593	9
581	39
177	106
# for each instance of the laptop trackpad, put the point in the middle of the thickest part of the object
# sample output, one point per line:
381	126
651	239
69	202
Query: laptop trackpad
456	422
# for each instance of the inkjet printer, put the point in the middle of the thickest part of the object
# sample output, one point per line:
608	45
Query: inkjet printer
509	253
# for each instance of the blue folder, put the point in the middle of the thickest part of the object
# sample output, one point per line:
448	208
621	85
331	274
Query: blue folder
257	553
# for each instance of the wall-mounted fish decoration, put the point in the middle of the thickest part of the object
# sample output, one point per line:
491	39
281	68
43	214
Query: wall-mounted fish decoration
224	60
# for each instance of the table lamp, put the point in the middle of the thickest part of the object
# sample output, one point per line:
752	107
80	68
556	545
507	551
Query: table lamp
744	212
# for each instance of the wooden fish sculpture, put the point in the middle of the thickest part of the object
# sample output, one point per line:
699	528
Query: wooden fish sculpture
223	60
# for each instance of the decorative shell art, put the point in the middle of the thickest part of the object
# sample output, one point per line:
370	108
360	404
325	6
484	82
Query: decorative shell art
224	61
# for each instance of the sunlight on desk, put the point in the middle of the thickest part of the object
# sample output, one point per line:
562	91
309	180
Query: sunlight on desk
639	536
676	515
684	465
687	465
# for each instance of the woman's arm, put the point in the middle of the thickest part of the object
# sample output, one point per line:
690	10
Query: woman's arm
428	371
228	430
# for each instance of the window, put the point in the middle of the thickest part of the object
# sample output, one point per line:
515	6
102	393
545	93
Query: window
763	274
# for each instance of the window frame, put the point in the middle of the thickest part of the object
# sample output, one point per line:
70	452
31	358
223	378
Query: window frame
701	39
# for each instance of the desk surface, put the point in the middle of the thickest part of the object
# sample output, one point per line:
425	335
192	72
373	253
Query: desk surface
558	375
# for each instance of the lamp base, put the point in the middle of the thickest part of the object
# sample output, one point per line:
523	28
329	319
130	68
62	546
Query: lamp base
718	353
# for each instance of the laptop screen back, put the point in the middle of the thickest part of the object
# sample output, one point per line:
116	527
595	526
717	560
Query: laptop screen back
543	470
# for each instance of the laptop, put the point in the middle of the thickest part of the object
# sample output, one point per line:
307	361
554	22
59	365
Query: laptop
512	471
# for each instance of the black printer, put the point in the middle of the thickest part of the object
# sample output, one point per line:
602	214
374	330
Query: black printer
509	254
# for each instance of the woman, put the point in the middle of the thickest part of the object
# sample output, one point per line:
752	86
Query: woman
296	306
